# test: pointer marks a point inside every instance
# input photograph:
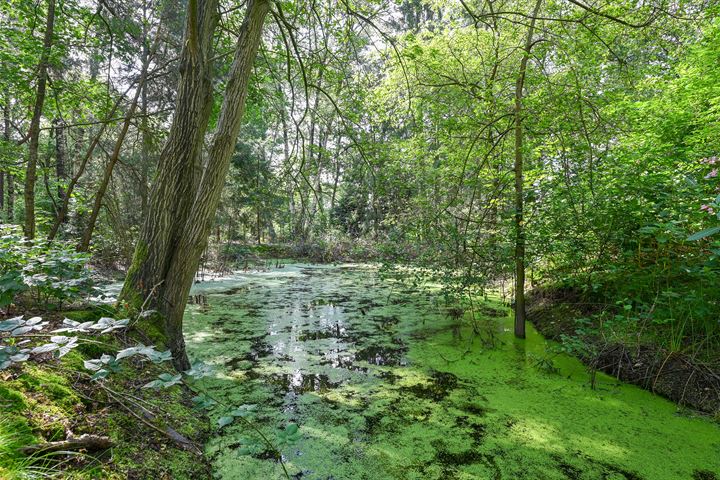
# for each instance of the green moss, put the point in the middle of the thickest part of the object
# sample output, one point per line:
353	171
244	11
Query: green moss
129	296
11	400
153	327
39	403
55	387
136	459
14	426
86	315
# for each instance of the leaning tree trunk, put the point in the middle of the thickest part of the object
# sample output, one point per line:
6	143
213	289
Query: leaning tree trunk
186	256
179	166
519	221
31	173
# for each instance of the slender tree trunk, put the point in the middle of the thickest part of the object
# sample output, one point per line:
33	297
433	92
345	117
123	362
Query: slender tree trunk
60	157
519	220
63	210
6	138
31	173
144	127
107	175
186	256
146	148
179	165
10	198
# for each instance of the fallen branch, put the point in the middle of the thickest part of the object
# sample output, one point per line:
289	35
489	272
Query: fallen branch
148	419
90	443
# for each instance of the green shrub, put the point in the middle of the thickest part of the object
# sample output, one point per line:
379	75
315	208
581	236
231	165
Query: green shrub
41	272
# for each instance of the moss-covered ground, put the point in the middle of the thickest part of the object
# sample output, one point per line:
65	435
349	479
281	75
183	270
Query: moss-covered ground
48	400
385	385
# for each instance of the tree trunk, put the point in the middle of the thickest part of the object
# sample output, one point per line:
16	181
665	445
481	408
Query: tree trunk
186	256
144	126
87	235
10	198
519	226
179	164
6	138
60	157
30	176
63	210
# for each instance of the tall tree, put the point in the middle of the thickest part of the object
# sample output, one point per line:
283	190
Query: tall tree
114	157
174	259
34	141
180	161
519	179
60	156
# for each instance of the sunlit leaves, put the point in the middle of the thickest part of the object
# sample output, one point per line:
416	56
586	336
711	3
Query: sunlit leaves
59	344
18	327
244	411
149	352
107	364
199	370
10	354
102	366
104	325
164	380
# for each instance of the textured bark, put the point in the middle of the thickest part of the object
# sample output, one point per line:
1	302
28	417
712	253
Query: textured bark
519	220
60	156
186	256
179	165
31	173
10	198
6	138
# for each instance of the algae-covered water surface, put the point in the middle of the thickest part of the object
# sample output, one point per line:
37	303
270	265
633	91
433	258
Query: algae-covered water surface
383	387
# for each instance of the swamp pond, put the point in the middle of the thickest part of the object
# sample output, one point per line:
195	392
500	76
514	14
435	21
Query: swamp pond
383	387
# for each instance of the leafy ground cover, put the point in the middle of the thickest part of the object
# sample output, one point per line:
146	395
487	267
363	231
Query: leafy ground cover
49	399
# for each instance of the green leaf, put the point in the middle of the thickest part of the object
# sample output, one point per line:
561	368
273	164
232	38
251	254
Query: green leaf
225	421
11	324
243	411
703	234
164	380
100	374
203	401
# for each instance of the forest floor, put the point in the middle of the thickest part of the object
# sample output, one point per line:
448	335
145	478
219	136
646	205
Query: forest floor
381	381
51	400
685	379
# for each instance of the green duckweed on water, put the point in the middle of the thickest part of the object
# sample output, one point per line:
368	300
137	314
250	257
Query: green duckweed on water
383	387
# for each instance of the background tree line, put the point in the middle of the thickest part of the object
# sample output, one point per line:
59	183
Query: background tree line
573	142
